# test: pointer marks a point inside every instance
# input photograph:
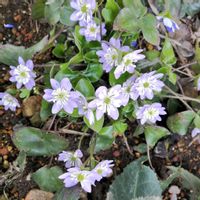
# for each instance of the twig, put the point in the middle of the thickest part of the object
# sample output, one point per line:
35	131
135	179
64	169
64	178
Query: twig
72	132
52	121
127	145
187	65
179	97
184	73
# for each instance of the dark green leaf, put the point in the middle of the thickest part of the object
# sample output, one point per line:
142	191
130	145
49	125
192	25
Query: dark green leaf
104	139
85	87
37	10
120	127
148	25
110	11
136	180
167	54
59	51
47	178
180	122
65	14
45	111
52	10
9	53
154	133
97	126
72	193
93	72
38	143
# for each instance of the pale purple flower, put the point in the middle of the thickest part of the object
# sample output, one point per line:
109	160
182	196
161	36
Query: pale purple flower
146	85
84	10
71	159
75	176
126	64
198	84
8	101
62	96
126	90
103	169
84	109
170	24
196	134
107	100
23	74
110	55
91	31
8	26
150	113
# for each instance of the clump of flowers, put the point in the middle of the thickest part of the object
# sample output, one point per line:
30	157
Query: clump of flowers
78	174
23	74
150	113
61	95
8	101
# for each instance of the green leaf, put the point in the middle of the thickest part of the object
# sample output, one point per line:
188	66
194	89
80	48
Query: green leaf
36	142
137	6
110	11
93	72
142	148
180	122
167	55
91	57
135	181
172	77
47	178
21	161
85	87
65	14
188	180
113	81
78	38
197	121
52	11
154	133
104	139
24	93
45	111
120	127
148	25
37	10
9	53
97	126
128	17
72	193
59	51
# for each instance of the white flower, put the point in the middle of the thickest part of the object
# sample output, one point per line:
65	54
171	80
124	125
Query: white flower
126	90
107	101
150	113
127	63
71	159
103	169
146	85
84	109
8	101
75	175
83	10
198	84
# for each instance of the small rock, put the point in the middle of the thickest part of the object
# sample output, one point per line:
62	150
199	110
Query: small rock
39	195
31	106
17	18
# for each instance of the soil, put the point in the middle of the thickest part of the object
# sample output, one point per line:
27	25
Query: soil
27	32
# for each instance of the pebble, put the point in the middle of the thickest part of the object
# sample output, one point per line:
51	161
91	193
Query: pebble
36	194
5	164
